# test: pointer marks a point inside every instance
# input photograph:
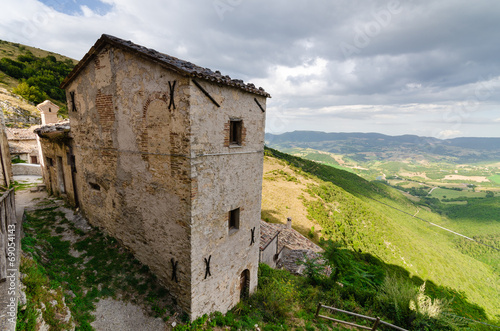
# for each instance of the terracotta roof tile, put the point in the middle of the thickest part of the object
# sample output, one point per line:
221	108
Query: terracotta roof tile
21	134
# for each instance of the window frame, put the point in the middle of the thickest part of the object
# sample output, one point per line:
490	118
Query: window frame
234	220
235	132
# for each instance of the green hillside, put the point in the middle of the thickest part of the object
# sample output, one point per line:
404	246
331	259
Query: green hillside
33	74
358	213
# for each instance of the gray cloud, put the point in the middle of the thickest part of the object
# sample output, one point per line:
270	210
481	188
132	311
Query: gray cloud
366	63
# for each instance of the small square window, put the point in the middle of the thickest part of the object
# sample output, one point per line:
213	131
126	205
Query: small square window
235	129
50	161
234	219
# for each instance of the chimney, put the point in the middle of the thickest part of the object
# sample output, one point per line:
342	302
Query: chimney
288	222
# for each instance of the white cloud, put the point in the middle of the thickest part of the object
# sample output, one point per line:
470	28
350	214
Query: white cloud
449	134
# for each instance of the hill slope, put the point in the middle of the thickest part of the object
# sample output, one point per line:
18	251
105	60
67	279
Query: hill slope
339	205
11	51
33	74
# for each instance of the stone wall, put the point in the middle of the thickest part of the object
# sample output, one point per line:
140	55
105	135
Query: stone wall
57	171
5	158
7	225
268	253
26	169
132	159
225	177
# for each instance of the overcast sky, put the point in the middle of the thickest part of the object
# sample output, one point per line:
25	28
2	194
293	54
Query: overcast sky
430	68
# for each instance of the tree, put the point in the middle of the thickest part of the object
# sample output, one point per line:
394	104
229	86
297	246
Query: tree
30	93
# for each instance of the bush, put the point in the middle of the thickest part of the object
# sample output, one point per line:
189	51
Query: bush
410	307
395	296
276	295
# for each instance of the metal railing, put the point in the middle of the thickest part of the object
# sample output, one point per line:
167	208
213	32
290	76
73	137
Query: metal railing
376	320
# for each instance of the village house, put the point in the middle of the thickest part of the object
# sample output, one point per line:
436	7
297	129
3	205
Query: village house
23	145
283	247
167	157
58	170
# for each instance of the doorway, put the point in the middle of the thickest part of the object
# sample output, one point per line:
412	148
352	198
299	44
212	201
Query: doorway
60	175
245	284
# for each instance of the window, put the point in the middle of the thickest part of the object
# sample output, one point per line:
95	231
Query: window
235	130
34	159
50	110
234	219
50	161
73	105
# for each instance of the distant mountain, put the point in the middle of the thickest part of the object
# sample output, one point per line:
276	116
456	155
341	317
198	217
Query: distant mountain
357	145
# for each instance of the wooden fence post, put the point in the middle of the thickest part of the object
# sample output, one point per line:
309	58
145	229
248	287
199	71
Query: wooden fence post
377	322
317	309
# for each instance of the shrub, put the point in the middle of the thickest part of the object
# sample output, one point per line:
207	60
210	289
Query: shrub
276	295
395	296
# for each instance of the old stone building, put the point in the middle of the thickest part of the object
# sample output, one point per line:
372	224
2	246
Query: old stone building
23	144
281	246
58	170
167	157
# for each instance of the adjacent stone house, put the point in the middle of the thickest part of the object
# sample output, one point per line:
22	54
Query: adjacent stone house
283	247
23	144
58	170
167	157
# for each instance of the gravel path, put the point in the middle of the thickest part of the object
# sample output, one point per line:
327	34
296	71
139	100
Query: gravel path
113	315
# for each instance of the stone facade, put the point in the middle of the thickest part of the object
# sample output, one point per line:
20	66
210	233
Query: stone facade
283	247
58	170
269	253
5	161
23	144
168	159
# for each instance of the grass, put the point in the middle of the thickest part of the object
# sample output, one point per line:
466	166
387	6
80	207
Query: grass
38	291
12	50
87	266
23	184
495	178
442	193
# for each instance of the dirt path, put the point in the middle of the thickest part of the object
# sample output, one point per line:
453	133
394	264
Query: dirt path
112	315
25	198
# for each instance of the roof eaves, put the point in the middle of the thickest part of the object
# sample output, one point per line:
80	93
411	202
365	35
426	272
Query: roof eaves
182	67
